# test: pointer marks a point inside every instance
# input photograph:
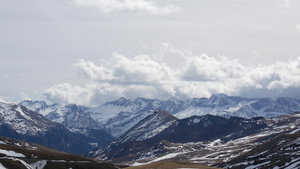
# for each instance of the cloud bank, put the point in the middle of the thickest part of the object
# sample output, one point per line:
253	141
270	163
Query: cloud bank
137	6
176	73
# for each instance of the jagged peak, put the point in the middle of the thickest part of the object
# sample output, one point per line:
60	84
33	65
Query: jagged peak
163	113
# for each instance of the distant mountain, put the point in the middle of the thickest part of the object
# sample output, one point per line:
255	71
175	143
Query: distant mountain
18	122
71	116
117	117
19	154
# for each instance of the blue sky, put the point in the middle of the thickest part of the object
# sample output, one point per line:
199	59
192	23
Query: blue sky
91	51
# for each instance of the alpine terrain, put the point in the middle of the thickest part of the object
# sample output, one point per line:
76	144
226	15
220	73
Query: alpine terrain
117	117
220	131
215	141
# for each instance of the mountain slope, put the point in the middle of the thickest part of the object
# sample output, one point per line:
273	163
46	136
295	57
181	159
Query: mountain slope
194	129
149	127
21	123
261	143
282	151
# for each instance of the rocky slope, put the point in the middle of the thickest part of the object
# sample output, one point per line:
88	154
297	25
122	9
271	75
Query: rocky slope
134	145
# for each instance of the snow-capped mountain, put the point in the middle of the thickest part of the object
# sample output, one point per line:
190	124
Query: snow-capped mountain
22	120
18	122
71	116
117	117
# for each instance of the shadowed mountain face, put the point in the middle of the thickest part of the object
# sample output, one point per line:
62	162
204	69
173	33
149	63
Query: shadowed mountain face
132	145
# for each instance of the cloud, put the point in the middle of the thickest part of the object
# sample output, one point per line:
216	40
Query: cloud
137	6
284	4
151	76
298	27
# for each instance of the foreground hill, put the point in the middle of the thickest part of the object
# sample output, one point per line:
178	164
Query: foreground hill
24	155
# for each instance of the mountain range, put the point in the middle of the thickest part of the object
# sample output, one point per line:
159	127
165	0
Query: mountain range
117	117
221	131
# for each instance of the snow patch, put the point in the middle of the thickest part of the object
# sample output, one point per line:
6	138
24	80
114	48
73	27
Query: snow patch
19	109
217	142
258	165
11	153
39	164
196	120
1	166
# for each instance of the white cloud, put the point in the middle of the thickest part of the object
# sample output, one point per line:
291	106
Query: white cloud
93	72
137	6
151	76
298	27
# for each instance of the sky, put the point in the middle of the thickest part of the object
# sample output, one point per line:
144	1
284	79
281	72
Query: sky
91	51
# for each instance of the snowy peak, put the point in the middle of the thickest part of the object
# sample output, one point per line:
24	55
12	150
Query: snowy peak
219	100
39	106
23	120
71	116
76	118
149	127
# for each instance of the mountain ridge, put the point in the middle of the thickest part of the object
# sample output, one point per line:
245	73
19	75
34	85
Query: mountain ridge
117	117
